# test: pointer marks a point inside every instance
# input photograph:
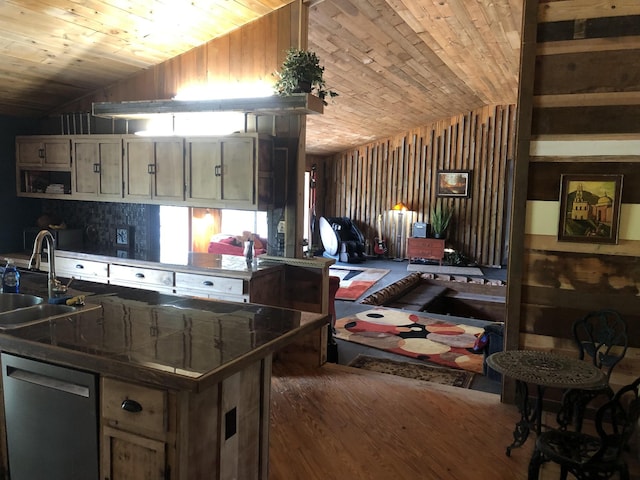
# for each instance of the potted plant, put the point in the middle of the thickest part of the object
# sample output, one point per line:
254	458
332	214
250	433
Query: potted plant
301	72
440	218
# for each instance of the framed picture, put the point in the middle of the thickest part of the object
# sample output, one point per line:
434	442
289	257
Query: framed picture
453	183
590	208
124	237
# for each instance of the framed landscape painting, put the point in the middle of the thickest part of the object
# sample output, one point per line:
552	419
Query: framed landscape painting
453	183
590	208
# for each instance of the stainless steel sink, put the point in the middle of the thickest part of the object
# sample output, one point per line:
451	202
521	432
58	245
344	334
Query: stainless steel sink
33	314
12	301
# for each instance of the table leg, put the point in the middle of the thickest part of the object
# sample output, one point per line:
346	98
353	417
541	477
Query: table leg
530	415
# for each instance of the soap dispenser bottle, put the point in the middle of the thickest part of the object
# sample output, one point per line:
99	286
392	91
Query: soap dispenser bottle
10	278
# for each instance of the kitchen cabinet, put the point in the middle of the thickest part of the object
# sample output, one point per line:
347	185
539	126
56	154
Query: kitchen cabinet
43	166
97	167
135	431
211	286
82	269
47	151
140	277
234	171
154	169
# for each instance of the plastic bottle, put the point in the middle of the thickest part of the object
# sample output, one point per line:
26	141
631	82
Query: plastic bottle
10	278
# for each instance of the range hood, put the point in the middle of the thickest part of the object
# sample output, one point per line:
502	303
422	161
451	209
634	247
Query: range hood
296	104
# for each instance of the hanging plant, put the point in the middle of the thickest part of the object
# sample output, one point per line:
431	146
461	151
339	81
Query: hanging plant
301	73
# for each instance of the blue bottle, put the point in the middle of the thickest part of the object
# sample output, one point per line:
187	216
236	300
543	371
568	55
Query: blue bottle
11	278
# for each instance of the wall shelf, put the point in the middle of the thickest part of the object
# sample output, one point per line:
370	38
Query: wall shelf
296	104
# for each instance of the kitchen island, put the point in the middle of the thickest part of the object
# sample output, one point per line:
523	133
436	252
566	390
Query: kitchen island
197	371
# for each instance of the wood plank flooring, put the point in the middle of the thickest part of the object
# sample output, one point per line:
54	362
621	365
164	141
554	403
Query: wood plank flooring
341	423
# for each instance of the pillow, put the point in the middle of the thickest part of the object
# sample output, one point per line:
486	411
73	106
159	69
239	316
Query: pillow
228	241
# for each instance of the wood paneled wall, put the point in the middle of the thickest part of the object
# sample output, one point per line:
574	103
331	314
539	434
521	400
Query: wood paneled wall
585	118
249	53
368	181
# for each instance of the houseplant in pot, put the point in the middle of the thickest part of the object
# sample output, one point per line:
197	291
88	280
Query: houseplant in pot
301	73
440	218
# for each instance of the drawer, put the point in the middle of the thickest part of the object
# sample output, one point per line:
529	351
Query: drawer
209	284
153	406
130	275
82	269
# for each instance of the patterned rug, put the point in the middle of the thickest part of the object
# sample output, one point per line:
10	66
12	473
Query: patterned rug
355	281
443	375
404	333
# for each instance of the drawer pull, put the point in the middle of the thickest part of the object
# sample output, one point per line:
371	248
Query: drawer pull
79	266
139	275
208	283
131	406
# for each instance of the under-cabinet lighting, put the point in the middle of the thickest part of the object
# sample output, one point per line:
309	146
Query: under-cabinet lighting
208	123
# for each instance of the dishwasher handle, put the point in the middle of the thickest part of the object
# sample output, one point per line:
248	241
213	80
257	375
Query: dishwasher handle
47	381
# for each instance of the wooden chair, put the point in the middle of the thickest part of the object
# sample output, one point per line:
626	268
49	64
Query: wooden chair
601	336
597	456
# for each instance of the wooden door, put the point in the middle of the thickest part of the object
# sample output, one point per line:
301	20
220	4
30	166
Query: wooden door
110	160
57	152
168	177
139	159
98	166
85	168
126	456
204	170
238	170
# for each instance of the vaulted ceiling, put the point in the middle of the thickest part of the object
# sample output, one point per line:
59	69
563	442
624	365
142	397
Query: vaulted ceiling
396	64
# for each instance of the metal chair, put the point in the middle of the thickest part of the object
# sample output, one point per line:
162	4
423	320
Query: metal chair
599	456
602	336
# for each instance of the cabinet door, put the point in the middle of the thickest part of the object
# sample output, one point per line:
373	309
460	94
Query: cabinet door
126	456
168	177
154	169
238	170
98	166
44	151
204	171
138	163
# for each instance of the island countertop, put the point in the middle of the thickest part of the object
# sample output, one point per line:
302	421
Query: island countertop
165	340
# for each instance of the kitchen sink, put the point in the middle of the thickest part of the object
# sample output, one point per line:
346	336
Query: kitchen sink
33	314
12	301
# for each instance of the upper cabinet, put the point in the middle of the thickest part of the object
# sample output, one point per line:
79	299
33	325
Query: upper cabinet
234	171
48	151
154	169
43	166
231	172
97	167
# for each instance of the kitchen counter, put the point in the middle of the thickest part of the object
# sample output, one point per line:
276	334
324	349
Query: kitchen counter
184	383
171	341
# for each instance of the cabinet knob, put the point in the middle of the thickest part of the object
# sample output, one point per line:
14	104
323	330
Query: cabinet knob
131	406
139	275
79	266
208	283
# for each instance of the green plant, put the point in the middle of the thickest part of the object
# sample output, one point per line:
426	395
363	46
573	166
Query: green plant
301	72
440	218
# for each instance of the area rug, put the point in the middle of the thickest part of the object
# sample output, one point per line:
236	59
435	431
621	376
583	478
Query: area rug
355	281
442	375
422	337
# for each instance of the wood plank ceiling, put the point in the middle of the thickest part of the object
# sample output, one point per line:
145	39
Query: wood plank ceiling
395	63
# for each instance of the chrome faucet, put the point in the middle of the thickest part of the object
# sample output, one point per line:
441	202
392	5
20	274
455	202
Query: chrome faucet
54	285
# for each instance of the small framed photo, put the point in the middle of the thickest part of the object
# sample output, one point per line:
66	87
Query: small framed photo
590	208
453	183
124	236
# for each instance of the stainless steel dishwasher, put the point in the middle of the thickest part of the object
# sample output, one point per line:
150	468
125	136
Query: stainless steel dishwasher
52	421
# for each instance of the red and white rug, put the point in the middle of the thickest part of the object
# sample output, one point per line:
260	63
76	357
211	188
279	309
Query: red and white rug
413	335
355	281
